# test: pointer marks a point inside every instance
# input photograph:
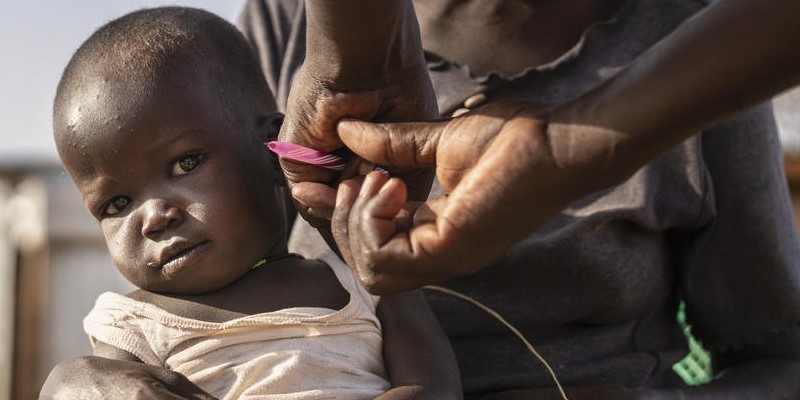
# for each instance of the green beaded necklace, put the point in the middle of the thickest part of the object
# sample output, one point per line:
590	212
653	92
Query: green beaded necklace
262	262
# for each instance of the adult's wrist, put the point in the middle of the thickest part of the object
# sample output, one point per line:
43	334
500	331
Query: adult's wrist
362	44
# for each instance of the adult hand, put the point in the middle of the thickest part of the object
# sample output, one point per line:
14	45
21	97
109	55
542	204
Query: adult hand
364	60
505	168
94	377
316	105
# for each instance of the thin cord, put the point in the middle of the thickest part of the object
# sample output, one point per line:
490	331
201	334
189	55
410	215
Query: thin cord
262	262
502	320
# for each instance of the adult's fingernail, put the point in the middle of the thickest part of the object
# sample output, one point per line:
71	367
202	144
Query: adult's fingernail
381	170
475	100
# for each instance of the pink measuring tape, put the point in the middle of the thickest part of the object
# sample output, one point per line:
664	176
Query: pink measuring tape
305	155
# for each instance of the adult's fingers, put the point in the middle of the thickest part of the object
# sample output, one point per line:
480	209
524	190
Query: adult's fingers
402	144
452	146
314	200
300	172
315	203
340	226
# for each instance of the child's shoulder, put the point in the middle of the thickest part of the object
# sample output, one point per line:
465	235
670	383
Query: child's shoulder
306	283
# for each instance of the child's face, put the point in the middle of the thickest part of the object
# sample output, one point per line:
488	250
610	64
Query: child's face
185	202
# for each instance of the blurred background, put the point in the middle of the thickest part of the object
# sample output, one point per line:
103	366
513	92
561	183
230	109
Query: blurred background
53	262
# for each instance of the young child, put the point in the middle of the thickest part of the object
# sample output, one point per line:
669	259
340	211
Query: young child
160	119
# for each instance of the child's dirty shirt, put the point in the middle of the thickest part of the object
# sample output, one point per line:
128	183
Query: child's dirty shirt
297	353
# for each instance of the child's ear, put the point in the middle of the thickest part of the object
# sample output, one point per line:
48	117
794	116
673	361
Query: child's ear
269	126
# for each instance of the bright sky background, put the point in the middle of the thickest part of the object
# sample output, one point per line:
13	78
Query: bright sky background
36	40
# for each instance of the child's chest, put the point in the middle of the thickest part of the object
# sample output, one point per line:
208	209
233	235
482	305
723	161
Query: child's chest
261	291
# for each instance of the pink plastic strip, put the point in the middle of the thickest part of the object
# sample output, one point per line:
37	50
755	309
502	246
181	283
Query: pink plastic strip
296	152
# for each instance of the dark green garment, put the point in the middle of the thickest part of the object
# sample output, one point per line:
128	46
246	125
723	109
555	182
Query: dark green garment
596	289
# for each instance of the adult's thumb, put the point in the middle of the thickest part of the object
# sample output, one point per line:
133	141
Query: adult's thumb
393	144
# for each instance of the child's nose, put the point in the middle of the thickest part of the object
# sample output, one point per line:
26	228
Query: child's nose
158	215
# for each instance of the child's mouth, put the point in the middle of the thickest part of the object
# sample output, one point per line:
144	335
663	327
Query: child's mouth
182	260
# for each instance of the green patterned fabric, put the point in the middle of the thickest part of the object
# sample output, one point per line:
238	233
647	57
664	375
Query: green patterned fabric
695	368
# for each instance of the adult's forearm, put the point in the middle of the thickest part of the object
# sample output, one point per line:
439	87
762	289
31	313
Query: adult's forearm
731	56
361	43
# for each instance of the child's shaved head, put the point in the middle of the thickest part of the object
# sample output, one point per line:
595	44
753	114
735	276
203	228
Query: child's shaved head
147	46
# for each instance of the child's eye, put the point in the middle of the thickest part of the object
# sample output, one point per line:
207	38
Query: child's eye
186	164
115	206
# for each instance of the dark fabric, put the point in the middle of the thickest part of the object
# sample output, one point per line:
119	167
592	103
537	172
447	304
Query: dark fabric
277	30
596	288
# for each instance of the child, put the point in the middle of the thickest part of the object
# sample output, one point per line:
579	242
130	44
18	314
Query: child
160	119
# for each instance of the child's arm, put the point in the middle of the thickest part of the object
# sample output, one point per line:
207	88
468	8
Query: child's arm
115	373
419	360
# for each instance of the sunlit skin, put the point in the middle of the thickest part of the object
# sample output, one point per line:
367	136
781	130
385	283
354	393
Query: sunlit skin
184	201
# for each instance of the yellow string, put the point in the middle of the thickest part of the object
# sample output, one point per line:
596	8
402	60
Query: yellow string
502	320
